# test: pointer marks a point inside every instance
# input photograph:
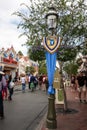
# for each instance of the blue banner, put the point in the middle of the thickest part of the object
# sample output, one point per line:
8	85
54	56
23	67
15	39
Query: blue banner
51	64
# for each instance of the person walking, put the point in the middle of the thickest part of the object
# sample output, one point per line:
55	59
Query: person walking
47	83
23	81
44	83
8	83
36	82
81	87
73	82
85	93
2	83
32	85
29	81
4	88
40	81
11	88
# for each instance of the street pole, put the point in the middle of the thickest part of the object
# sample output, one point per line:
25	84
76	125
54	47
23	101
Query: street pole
51	122
50	44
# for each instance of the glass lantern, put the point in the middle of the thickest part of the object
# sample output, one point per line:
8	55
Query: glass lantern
52	18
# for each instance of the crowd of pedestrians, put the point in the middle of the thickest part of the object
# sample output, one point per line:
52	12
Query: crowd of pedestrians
7	84
33	81
6	90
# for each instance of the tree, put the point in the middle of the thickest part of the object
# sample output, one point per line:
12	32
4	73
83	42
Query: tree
42	68
84	50
71	23
71	68
37	53
20	53
30	69
79	61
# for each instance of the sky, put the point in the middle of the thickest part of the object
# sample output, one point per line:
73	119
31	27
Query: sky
9	34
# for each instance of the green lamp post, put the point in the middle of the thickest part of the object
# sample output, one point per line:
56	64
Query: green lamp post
51	19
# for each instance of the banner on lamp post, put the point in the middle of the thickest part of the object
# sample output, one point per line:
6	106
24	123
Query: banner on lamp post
51	44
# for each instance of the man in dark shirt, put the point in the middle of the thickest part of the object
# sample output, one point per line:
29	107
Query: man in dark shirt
86	84
81	80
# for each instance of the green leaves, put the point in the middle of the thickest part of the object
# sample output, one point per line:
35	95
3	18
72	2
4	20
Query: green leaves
70	68
71	24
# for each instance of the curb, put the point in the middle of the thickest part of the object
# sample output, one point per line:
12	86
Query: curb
42	122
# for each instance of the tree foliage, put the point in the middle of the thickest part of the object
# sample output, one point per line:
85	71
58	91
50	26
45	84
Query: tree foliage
20	53
79	61
30	69
71	68
42	67
71	23
37	53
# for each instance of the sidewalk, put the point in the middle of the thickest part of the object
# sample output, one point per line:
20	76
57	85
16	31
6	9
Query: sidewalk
75	119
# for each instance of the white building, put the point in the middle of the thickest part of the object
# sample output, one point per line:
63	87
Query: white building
26	62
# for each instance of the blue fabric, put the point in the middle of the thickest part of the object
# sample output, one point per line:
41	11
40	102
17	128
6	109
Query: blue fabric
51	64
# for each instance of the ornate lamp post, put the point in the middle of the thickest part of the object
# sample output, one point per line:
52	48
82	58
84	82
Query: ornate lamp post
51	44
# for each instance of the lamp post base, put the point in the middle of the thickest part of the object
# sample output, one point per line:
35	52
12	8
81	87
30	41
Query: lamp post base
51	122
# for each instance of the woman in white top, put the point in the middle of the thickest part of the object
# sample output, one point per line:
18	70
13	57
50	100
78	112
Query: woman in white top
23	81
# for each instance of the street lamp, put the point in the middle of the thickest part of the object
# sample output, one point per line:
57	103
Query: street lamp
51	19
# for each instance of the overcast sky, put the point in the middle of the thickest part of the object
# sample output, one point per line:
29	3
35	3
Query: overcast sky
9	34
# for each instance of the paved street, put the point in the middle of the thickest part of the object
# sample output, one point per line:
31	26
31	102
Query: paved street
25	111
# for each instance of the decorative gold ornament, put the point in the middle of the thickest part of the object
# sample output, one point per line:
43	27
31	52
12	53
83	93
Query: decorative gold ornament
51	43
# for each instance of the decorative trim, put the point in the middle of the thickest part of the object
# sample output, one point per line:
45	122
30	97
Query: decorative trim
51	43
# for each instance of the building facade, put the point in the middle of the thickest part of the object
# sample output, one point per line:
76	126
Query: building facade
12	63
24	62
9	61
